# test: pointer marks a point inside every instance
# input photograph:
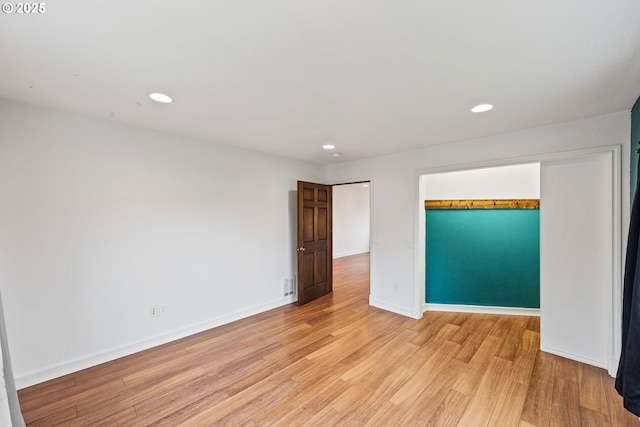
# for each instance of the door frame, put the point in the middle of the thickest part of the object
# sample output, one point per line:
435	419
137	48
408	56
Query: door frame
619	217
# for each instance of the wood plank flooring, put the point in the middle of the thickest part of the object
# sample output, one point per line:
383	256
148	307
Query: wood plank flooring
338	361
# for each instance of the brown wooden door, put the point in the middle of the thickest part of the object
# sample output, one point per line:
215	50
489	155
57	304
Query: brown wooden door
315	268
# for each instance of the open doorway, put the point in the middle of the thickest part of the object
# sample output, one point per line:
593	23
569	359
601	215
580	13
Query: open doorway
352	237
324	214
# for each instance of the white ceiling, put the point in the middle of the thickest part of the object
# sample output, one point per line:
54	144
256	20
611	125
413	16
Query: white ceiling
285	76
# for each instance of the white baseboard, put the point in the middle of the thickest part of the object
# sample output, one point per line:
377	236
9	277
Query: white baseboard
70	367
575	357
513	311
344	254
404	311
613	367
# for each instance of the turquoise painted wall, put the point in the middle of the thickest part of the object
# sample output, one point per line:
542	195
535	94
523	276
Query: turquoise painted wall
635	137
483	257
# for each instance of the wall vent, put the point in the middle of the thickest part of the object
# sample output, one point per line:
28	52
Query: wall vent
289	284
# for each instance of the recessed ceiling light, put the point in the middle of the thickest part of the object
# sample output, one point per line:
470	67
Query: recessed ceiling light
160	97
482	108
336	154
328	146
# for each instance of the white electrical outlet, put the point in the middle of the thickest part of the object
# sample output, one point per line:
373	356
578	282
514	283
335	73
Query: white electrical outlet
153	311
163	309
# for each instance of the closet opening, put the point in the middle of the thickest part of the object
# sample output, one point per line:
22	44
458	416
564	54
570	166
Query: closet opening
482	240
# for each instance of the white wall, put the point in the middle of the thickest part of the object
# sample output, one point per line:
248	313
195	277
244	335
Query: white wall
99	221
506	182
395	272
350	219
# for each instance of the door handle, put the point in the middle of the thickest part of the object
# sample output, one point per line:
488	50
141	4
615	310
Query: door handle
302	249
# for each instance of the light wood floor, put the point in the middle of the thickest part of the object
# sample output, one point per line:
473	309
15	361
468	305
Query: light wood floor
337	361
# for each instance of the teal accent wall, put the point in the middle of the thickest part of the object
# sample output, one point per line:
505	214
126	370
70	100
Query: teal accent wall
487	257
635	137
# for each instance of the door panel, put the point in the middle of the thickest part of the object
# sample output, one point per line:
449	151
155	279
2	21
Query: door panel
322	224
314	241
576	262
321	266
307	271
308	223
